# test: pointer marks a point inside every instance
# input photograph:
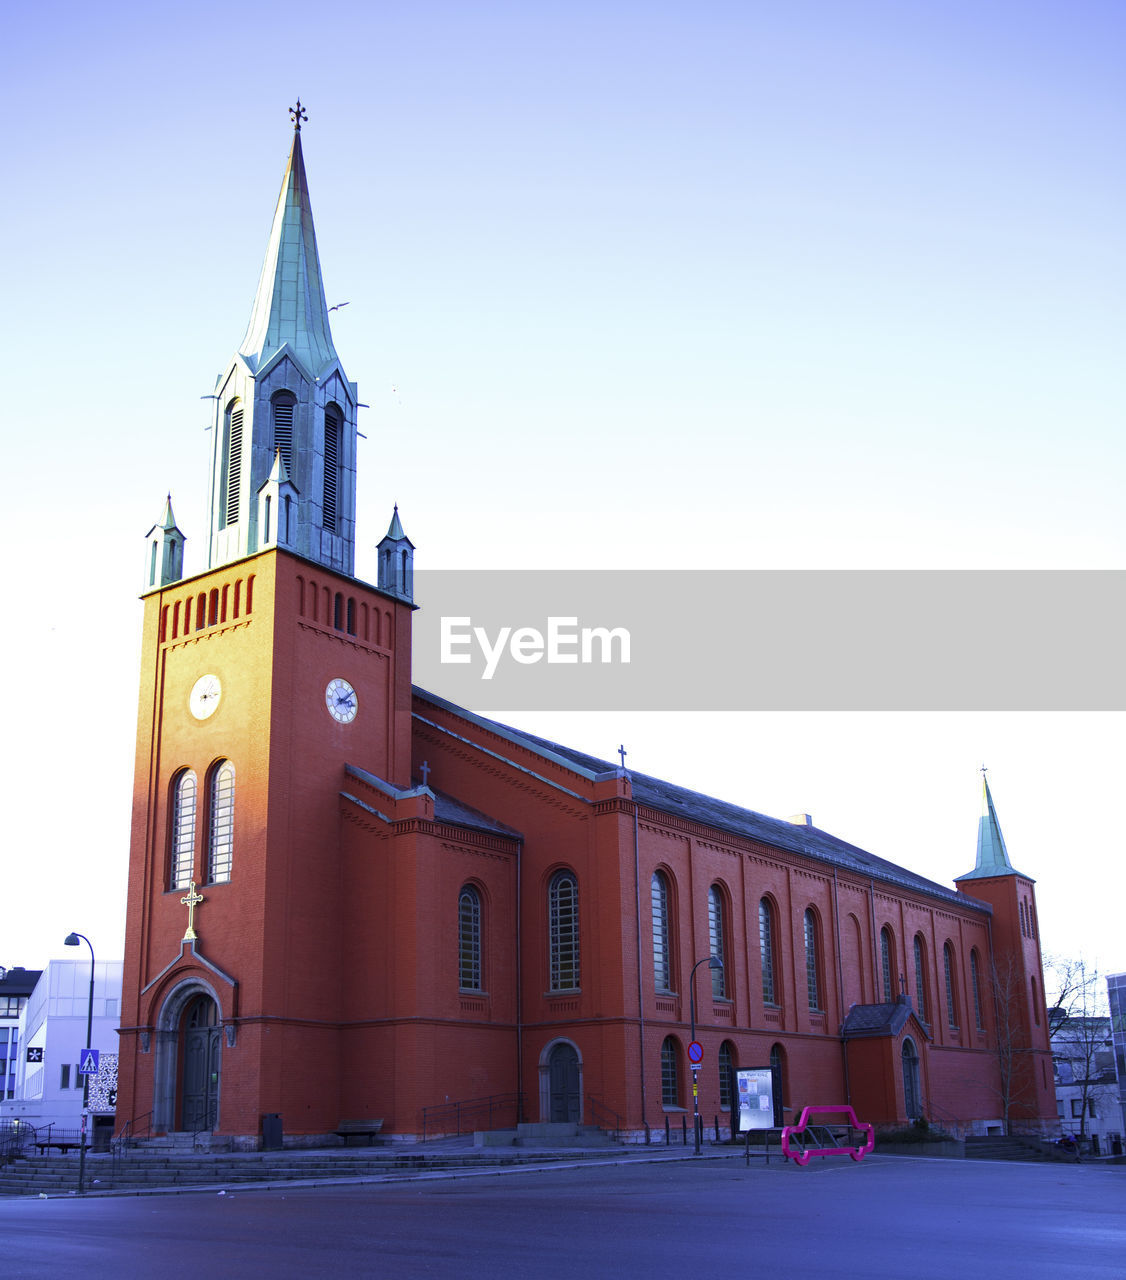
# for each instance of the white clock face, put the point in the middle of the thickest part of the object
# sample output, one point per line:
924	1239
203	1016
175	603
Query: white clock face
205	695
340	698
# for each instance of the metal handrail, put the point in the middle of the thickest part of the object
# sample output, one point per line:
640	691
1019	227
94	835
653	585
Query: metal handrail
455	1118
605	1117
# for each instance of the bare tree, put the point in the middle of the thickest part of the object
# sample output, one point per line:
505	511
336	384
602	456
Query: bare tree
1082	1049
1015	1079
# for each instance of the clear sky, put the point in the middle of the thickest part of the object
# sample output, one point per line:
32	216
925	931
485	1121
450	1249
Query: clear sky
634	285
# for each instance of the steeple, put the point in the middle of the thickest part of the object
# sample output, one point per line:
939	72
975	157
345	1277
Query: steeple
285	396
164	562
289	307
992	856
396	561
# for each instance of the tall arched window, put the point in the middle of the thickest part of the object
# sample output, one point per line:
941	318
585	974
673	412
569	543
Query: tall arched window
886	949
469	939
182	841
230	470
726	1063
670	1073
662	943
221	821
920	978
948	970
283	405
812	960
717	938
975	983
334	430
766	950
563	925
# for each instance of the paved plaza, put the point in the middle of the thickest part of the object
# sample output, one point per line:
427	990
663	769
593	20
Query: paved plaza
887	1217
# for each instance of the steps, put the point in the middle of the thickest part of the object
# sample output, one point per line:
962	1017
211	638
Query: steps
1000	1147
140	1171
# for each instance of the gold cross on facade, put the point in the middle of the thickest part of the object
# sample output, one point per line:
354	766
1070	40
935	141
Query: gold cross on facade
191	899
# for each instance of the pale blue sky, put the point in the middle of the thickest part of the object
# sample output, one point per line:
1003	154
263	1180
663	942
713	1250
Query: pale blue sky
641	285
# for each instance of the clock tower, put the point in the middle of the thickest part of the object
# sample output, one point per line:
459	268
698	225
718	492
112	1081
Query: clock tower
261	678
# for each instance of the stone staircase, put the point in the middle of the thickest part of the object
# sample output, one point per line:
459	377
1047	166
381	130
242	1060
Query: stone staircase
142	1171
554	1136
1000	1147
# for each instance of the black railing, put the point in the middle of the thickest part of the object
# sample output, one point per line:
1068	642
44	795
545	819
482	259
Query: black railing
604	1117
15	1139
452	1119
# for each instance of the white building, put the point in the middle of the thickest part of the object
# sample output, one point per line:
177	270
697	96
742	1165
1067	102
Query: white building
1086	1083
52	1037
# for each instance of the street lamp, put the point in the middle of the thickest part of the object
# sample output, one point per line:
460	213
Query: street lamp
71	940
713	962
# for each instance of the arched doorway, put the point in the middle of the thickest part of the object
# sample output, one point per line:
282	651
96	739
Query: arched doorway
564	1093
188	1060
911	1093
199	1091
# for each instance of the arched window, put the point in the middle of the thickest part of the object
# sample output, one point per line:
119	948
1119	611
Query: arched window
563	917
911	1092
469	939
1035	1002
886	948
221	822
975	983
670	1073
283	406
662	944
182	842
717	938
766	950
920	978
778	1081
812	959
948	970
230	471
726	1062
334	424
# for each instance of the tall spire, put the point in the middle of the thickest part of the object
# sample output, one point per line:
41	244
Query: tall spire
290	306
992	856
283	447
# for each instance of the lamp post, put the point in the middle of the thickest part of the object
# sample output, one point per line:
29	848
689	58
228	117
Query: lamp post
71	940
713	962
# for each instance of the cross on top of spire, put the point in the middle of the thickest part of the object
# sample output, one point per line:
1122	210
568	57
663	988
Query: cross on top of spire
297	114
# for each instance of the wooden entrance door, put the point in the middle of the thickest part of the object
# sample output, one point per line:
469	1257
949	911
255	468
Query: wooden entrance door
563	1066
199	1108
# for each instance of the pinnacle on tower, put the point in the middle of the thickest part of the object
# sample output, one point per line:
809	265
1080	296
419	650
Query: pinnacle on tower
396	561
164	562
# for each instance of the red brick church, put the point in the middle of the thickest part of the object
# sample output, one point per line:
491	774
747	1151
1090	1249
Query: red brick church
349	899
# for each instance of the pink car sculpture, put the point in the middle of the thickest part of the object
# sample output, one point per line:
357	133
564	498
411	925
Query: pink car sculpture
800	1153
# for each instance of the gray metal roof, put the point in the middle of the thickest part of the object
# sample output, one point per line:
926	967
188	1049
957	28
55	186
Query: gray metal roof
724	816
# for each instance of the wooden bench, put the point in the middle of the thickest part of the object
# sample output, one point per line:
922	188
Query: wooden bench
358	1129
60	1144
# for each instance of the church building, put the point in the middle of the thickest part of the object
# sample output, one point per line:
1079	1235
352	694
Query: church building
350	900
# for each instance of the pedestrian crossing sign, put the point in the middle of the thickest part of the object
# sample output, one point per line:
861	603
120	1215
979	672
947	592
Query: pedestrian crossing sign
88	1062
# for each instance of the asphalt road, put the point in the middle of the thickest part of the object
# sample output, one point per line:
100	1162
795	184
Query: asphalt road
886	1217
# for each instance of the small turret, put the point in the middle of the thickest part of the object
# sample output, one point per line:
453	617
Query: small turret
396	561
164	562
277	508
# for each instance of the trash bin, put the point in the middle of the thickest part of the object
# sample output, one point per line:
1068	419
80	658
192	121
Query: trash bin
272	1132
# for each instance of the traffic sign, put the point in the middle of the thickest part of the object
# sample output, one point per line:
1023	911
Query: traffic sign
695	1053
88	1062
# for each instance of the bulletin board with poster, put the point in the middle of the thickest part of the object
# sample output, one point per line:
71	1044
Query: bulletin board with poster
755	1087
